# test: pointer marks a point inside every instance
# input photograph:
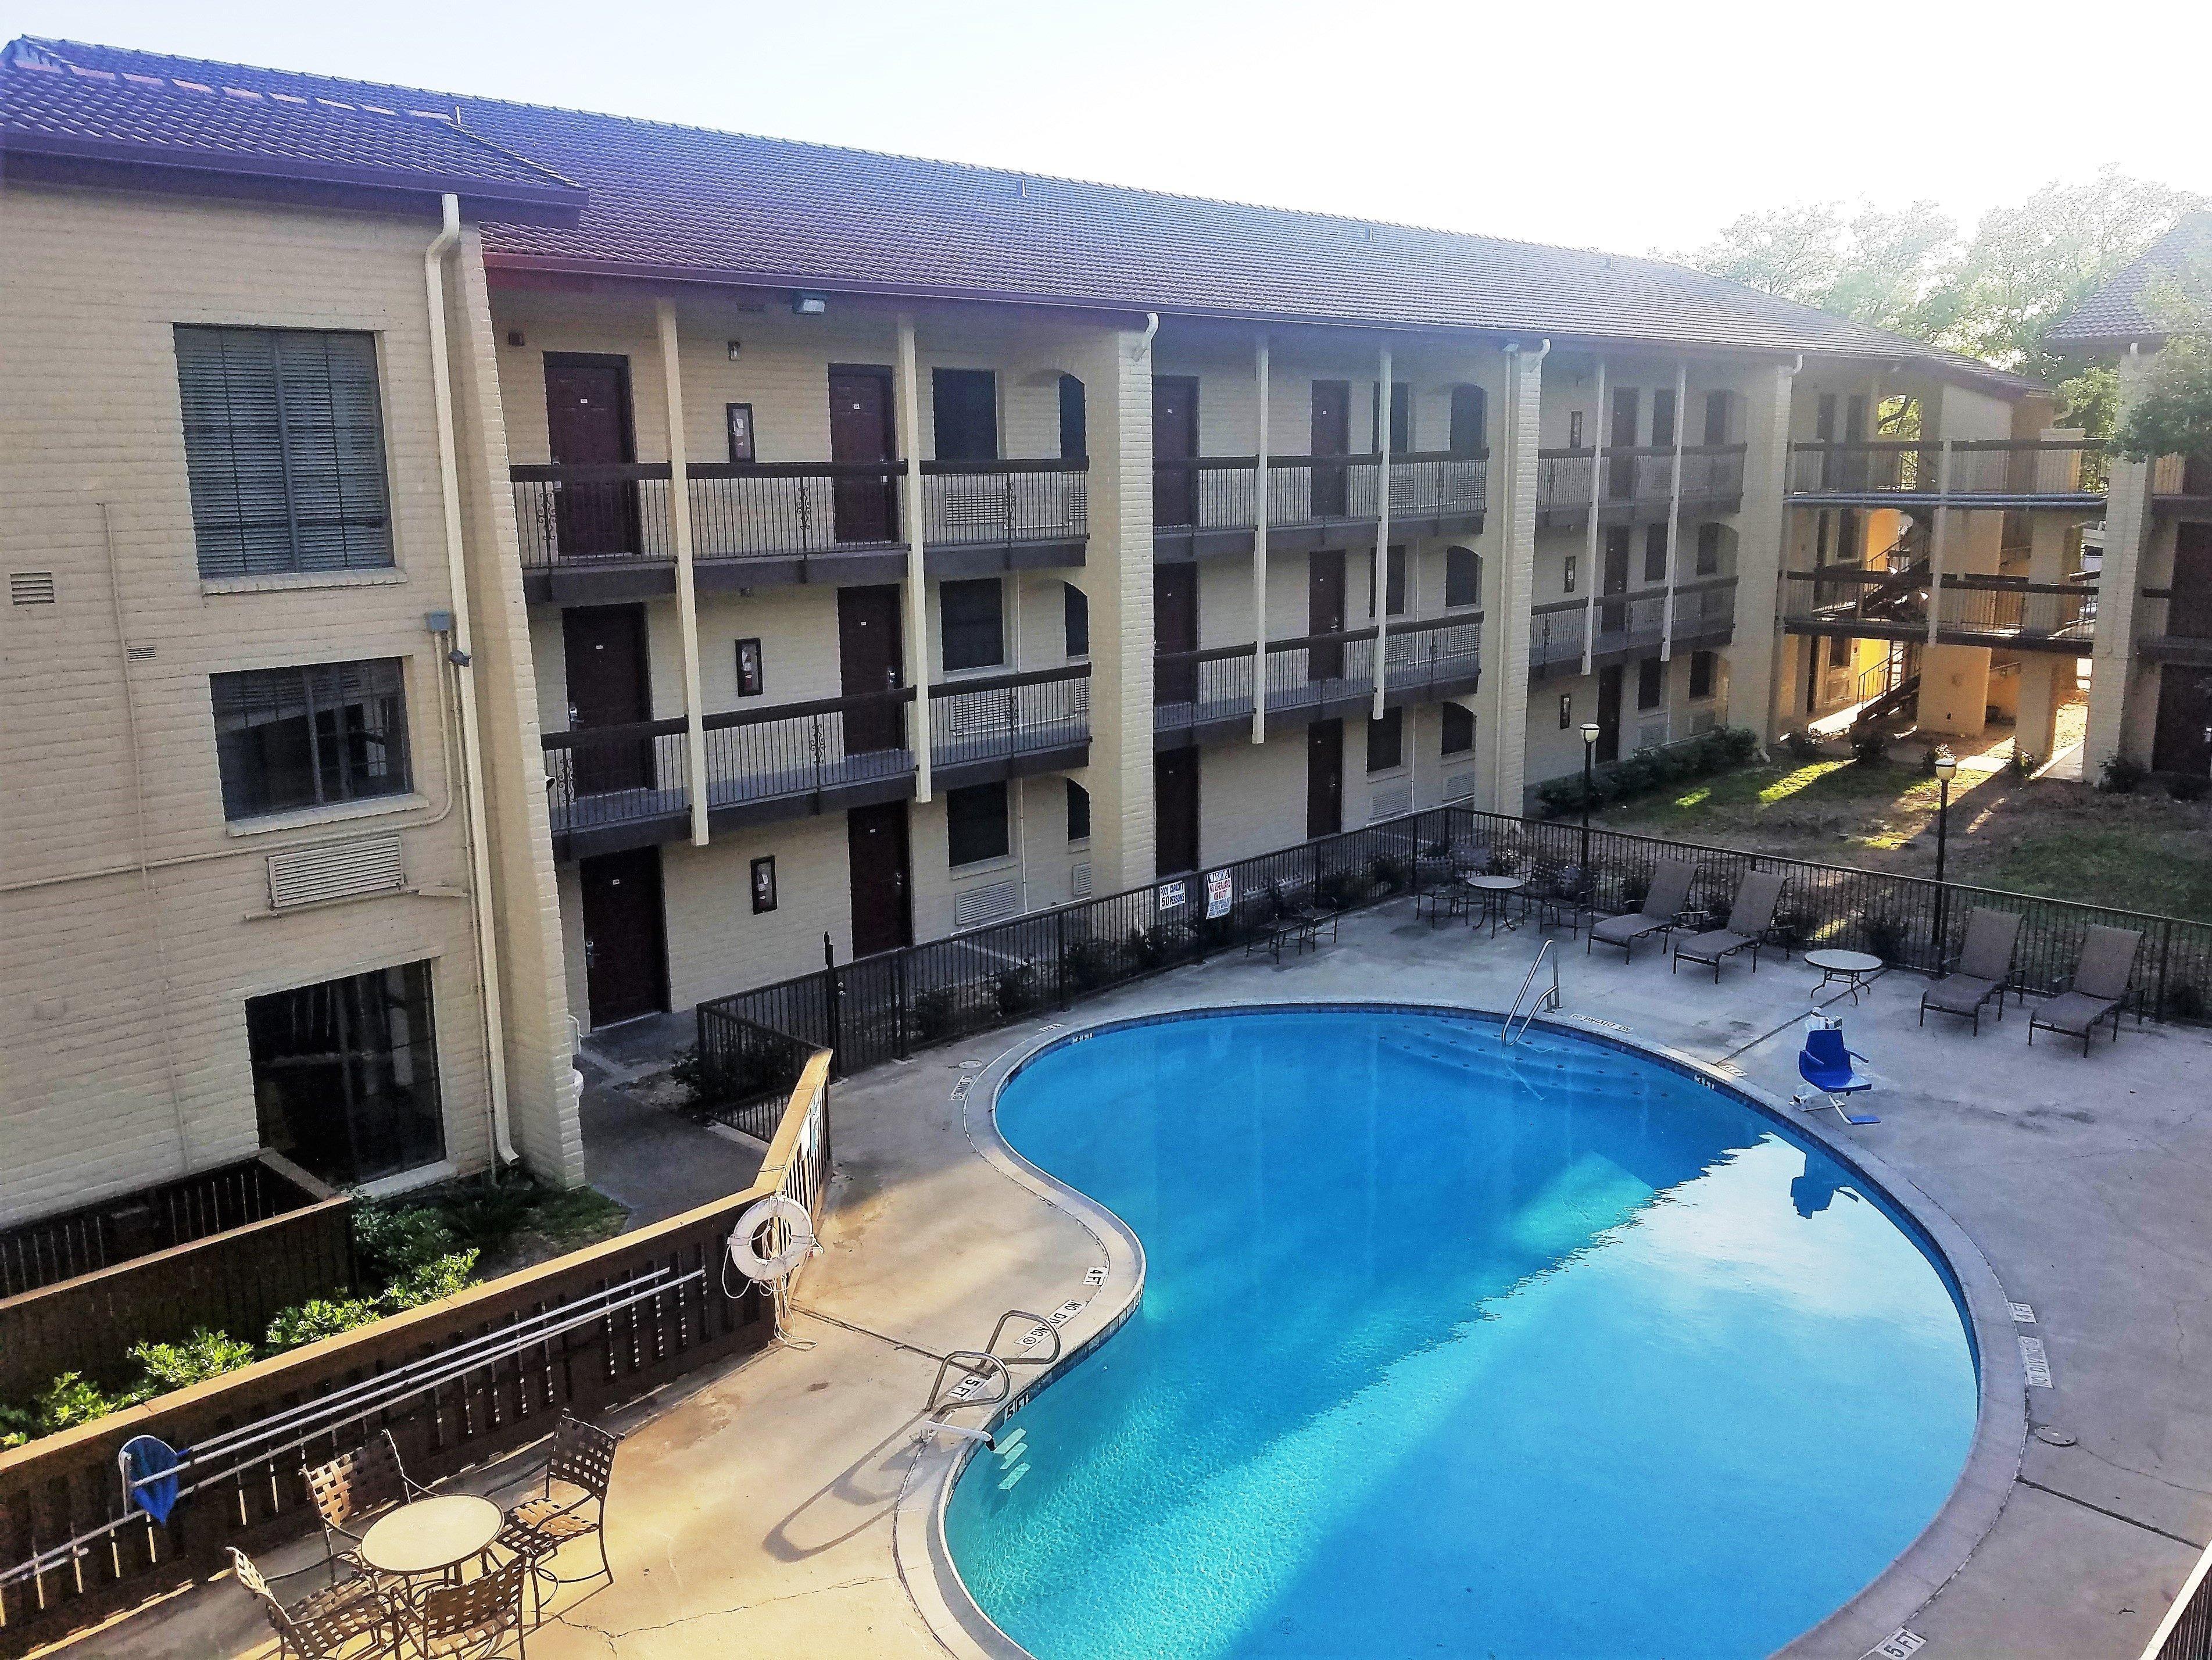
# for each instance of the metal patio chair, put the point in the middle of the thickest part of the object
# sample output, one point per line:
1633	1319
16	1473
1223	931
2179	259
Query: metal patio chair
354	1485
1660	914
582	1461
469	1620
2099	988
1749	918
1984	968
325	1625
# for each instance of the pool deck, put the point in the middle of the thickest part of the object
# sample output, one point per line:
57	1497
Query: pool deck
757	1508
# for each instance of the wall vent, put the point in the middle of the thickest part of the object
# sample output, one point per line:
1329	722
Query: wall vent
139	654
1079	881
31	588
335	870
1391	801
991	902
1459	787
1650	734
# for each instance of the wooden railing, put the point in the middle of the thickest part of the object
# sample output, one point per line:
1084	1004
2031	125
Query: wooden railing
450	1380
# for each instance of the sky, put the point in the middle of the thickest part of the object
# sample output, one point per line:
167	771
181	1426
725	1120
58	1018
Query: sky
1633	128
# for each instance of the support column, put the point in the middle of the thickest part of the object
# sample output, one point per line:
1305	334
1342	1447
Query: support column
2046	677
1510	591
1260	553
917	575
687	594
2129	522
1938	536
1381	530
1674	512
1590	547
1755	655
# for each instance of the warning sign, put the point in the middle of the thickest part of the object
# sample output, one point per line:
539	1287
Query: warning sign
1219	885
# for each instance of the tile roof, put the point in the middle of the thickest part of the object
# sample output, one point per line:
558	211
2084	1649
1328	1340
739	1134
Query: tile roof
2114	314
727	206
90	105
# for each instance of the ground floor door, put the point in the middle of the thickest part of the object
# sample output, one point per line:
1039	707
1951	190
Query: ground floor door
1609	713
625	938
1175	812
875	853
2184	716
1324	778
869	661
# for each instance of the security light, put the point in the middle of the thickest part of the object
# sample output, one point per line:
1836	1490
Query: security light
809	305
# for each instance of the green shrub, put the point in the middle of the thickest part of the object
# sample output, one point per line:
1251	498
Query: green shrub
1017	989
318	1318
1090	963
1868	747
1888	935
393	1239
936	1012
72	1399
2120	776
1341	890
2185	1000
1390	872
1802	745
203	1355
1733	746
2188	786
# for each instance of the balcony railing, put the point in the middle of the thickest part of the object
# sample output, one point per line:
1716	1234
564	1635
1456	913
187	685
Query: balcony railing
1217	492
1629	624
2010	470
2039	614
570	516
2181	475
1881	602
1193	688
627	775
1641	477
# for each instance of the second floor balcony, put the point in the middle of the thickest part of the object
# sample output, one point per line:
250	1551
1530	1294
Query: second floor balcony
1618	627
1199	695
1208	505
2007	612
1978	473
611	787
1635	484
604	532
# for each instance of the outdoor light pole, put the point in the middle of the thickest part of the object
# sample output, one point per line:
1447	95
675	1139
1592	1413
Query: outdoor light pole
1590	752
1946	768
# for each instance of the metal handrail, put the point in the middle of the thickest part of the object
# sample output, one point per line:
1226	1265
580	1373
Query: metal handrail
988	1363
1546	1003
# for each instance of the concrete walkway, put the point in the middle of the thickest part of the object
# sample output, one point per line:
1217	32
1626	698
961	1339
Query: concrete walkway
753	1512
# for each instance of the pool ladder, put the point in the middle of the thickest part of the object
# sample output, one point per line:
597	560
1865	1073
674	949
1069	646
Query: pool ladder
986	1366
1546	1001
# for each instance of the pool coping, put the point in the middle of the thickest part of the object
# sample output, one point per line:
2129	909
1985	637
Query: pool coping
1884	1606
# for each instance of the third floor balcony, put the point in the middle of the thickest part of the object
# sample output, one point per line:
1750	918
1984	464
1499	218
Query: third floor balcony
1208	505
1978	473
604	531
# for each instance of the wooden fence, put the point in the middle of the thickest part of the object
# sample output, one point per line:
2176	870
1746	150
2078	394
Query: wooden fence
451	1380
298	1245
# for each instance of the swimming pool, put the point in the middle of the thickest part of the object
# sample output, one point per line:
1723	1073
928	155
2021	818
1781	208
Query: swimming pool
1449	1348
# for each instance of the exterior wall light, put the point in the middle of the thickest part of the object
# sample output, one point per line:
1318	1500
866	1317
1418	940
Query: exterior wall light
809	305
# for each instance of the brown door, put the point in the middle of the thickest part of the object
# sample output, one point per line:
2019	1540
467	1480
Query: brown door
609	685
1609	713
2184	714
861	436
1325	615
2189	613
1612	619
1174	627
875	852
625	952
1324	778
869	662
587	425
1175	446
1175	812
1332	436
1620	468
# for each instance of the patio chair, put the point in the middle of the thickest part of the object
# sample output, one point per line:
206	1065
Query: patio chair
1749	918
469	1620
1297	920
1565	896
321	1626
1982	971
354	1485
583	1462
2100	986
1661	913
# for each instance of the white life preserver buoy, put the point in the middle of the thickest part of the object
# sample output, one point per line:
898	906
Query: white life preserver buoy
799	1240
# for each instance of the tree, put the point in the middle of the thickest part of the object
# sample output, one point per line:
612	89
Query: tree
2172	413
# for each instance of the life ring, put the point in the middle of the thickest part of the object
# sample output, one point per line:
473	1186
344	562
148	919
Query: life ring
799	1240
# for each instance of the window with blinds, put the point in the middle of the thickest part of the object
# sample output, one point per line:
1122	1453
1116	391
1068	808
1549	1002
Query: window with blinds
284	445
309	737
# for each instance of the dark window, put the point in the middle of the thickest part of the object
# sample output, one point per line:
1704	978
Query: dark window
284	450
975	824
1655	553
1459	729
1850	541
310	736
967	613
1709	550
1839	651
1462	577
1821	538
1075	609
1079	812
1470	420
1701	674
1662	417
1824	418
1074	435
1717	417
966	404
1651	684
1855	413
1397	584
1401	418
1386	741
1574	429
738	420
345	1075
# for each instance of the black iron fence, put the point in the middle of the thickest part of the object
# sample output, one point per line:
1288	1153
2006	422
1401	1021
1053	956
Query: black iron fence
2063	613
1003	715
886	1007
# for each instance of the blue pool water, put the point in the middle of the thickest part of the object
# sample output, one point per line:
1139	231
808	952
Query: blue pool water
1451	1349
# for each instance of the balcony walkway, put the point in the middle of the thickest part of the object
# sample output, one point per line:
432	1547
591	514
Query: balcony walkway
1204	695
755	1510
1982	473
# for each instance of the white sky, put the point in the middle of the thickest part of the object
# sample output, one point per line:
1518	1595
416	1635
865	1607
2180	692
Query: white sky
1628	127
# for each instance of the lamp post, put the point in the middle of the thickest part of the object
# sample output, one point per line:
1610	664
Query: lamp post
1946	769
1589	754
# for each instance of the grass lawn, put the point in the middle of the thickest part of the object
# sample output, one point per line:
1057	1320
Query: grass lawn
2139	852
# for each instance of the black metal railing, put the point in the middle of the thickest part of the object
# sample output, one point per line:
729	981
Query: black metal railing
885	1007
1218	492
1842	594
2062	612
1320	668
1190	688
1423	656
747	1071
1633	622
1193	688
1563	480
577	514
1642	475
1983	467
999	716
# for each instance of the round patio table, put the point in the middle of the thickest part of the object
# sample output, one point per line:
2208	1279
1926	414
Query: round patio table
431	1535
1493	890
1853	967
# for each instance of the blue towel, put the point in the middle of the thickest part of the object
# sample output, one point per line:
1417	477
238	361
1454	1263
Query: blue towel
144	1461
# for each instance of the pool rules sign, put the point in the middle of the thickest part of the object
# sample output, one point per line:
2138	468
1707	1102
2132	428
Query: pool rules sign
1219	885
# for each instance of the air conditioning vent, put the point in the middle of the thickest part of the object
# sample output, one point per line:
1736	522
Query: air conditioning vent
992	903
1651	734
336	870
1391	801
1079	881
31	588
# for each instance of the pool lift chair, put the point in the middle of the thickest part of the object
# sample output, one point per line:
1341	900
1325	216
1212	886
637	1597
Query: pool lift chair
1825	1064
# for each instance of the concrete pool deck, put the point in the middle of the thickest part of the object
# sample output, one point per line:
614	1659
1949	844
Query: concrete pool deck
756	1508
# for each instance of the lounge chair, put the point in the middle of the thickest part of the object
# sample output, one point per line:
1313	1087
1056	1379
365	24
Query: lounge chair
1661	910
2100	986
1749	918
1297	923
1983	969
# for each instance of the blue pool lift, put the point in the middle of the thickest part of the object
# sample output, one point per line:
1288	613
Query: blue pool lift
1825	1064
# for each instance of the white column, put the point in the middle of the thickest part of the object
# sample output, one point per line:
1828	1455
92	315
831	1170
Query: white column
1260	553
687	598
1936	537
1589	550
1674	508
917	583
1381	526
